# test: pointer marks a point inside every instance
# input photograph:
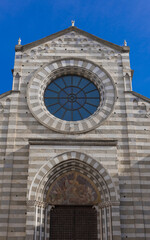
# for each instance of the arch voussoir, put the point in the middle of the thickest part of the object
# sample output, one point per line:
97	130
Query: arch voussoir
45	173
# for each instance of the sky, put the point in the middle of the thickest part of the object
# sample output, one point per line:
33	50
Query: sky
112	20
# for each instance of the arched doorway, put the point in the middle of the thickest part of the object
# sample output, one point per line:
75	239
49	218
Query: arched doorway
73	196
85	176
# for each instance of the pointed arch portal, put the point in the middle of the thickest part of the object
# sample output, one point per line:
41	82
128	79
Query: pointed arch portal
72	197
73	194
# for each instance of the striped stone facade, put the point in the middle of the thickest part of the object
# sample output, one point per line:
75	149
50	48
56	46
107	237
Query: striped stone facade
111	148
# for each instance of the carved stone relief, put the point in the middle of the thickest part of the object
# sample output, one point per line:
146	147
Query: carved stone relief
1	108
73	188
143	107
73	42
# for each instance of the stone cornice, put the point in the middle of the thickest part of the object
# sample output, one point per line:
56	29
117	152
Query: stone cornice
73	142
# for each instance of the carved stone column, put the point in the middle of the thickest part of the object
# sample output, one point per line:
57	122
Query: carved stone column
39	211
48	209
104	220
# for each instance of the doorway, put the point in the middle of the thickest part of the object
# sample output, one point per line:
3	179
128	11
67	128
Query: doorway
73	223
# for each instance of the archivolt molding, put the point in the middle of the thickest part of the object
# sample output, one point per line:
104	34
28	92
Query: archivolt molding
80	168
87	69
63	163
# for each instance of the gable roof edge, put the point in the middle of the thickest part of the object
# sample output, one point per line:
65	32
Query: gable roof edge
23	48
139	96
5	94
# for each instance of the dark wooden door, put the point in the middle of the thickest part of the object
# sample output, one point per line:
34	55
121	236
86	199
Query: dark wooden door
73	223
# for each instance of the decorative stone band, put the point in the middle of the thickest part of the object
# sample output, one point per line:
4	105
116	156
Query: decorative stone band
53	70
108	204
36	203
97	206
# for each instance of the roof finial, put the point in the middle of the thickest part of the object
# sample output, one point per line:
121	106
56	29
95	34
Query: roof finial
19	41
125	43
73	22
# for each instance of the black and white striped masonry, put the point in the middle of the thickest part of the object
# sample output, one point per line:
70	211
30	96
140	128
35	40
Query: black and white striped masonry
111	148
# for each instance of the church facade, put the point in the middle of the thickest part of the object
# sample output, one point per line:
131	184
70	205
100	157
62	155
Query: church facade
75	143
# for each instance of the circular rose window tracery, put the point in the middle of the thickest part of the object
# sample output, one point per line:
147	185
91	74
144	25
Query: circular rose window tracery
71	98
64	120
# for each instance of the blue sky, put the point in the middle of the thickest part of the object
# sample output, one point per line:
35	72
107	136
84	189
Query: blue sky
112	20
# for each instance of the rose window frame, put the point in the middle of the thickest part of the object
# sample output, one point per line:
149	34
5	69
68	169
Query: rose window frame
62	67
